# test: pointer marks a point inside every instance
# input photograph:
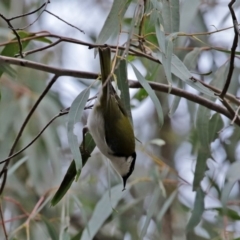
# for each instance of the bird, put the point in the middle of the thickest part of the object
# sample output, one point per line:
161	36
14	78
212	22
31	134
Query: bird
109	123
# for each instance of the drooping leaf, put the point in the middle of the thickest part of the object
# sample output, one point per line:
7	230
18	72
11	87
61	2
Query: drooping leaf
151	94
112	23
198	210
171	15
176	99
180	71
11	50
51	230
122	82
166	205
232	176
202	127
153	207
230	213
191	59
74	116
16	165
215	125
102	211
160	35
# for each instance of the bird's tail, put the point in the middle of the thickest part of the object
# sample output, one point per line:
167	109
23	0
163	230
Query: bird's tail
105	63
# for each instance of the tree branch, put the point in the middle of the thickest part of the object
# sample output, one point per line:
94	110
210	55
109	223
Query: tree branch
133	84
233	50
190	96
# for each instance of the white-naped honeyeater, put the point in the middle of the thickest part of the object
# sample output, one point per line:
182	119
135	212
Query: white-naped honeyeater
109	123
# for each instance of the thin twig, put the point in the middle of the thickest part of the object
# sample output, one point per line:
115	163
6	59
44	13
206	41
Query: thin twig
236	115
15	33
64	21
39	49
63	112
27	14
233	49
230	110
44	6
35	138
3	224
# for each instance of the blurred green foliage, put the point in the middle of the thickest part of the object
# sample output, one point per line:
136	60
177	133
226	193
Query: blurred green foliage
201	147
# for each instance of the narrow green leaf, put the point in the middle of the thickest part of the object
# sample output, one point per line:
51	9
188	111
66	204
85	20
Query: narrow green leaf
198	210
176	99
112	23
77	236
226	191
227	212
102	211
16	165
6	68
220	76
189	10
83	213
71	172
74	116
66	235
215	125
201	167
168	63
51	230
180	71
232	176
153	207
166	205
202	127
10	50
151	94
122	82
171	15
191	59
43	39
160	35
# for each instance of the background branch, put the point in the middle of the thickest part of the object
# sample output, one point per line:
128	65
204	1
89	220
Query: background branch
233	50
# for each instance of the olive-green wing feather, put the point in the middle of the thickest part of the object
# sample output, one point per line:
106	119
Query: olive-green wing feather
117	125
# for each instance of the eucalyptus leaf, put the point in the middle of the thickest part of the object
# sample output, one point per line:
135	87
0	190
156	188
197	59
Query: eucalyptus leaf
16	165
113	20
176	99
74	116
171	15
180	70
151	94
153	207
191	59
102	211
166	205
198	210
122	82
216	124
202	127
